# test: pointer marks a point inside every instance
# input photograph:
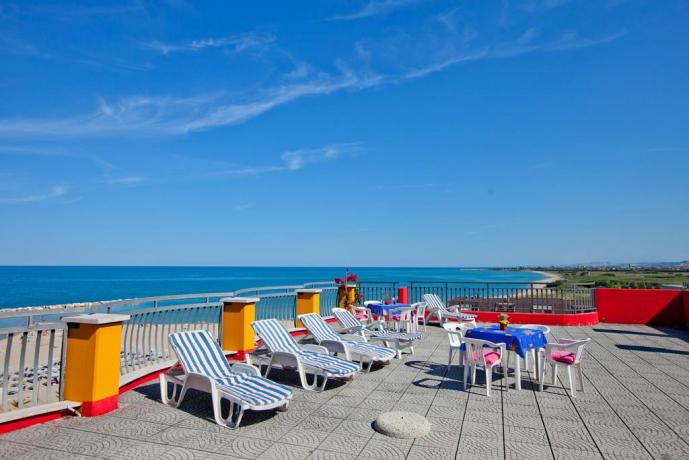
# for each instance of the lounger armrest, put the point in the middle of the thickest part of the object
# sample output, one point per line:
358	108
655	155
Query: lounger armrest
246	369
315	349
333	346
376	325
452	308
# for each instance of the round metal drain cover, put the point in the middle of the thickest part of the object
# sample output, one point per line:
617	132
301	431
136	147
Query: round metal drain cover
402	425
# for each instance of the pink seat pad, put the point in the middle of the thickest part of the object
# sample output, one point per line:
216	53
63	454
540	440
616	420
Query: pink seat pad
490	356
563	356
361	316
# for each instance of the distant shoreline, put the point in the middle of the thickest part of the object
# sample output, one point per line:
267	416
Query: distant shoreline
548	277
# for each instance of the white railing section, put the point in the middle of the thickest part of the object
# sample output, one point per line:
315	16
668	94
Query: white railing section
31	365
145	345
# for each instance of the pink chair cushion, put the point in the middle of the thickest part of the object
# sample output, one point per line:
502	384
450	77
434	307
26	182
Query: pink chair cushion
361	316
490	356
396	317
563	356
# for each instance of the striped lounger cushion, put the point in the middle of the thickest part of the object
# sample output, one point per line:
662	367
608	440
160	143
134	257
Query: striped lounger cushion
349	321
410	336
199	353
321	331
277	339
434	301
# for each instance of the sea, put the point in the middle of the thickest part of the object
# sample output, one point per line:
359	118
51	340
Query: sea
48	285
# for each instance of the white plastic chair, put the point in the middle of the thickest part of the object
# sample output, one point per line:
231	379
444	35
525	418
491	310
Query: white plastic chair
420	315
455	334
565	352
546	332
486	355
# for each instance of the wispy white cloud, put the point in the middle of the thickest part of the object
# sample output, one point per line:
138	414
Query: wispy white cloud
373	8
129	181
186	114
297	159
523	45
55	192
235	43
294	160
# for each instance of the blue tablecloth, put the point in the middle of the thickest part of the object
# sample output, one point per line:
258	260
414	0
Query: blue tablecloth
379	309
517	339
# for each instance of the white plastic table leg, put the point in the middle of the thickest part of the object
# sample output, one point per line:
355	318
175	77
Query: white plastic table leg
517	371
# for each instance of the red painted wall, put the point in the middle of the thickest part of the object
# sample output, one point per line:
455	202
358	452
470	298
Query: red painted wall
659	307
549	319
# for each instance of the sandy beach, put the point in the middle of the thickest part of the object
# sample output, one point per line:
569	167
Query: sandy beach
548	277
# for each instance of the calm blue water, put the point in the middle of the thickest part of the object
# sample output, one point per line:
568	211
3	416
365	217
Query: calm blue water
24	286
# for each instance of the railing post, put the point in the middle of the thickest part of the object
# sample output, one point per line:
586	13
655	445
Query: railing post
237	315
308	301
92	361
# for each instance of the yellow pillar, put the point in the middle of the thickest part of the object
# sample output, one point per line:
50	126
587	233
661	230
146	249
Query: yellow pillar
92	362
237	315
308	301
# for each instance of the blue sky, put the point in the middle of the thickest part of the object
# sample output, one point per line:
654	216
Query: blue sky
382	132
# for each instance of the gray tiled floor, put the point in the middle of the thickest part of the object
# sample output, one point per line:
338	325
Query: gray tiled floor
636	405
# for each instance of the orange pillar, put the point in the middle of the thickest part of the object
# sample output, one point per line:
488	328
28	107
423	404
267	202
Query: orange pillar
92	362
237	315
308	301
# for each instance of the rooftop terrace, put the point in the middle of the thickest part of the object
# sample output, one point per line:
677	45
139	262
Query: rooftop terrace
636	405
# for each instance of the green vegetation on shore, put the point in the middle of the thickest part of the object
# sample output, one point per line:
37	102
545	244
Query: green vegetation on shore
628	278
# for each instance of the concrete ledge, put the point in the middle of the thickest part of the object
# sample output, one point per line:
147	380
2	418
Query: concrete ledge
96	318
240	300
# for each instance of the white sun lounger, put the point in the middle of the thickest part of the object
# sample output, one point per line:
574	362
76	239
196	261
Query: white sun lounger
349	345
205	368
397	340
313	359
437	307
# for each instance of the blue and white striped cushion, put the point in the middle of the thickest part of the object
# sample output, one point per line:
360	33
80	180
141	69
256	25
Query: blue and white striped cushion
321	331
372	351
346	319
330	364
275	336
199	353
278	339
318	327
255	390
408	336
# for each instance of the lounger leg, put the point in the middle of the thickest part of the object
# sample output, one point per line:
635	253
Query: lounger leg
164	396
284	407
233	418
473	374
449	359
554	366
572	389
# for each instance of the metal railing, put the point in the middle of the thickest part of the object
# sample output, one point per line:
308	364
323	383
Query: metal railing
32	365
508	296
378	290
328	299
145	346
